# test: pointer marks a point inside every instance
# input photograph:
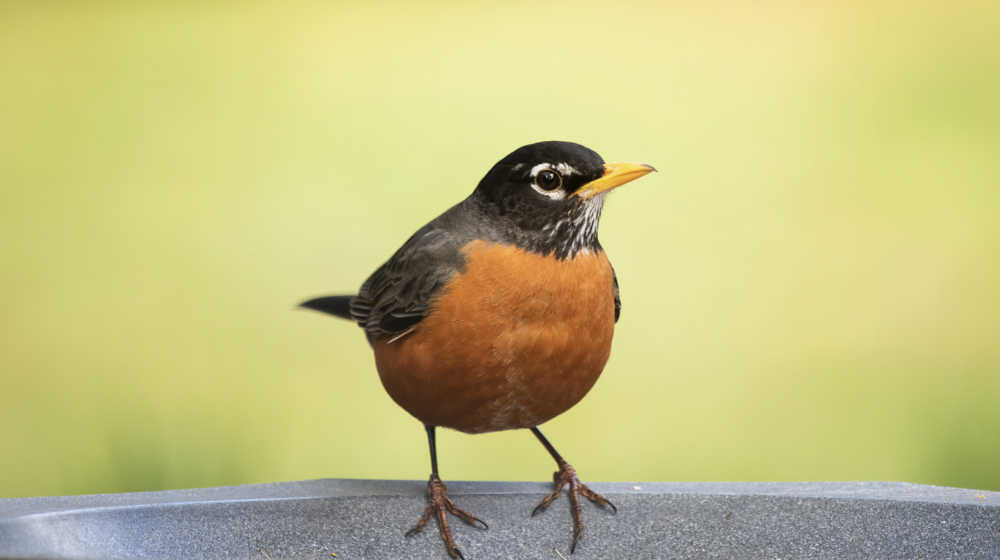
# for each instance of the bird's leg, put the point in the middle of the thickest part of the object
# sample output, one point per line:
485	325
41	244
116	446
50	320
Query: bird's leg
438	503
566	476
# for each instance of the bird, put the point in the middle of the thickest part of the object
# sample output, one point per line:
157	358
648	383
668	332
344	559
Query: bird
499	313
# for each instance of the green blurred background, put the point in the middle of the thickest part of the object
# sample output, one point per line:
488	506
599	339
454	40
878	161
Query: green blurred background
811	284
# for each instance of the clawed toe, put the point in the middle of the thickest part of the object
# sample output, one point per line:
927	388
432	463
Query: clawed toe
566	477
576	537
438	504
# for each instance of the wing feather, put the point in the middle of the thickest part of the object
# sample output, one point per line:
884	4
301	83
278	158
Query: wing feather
397	296
618	300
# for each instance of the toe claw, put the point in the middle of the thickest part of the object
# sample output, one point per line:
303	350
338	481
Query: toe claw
576	537
439	505
566	476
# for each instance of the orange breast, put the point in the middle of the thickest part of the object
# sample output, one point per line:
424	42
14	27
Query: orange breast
513	342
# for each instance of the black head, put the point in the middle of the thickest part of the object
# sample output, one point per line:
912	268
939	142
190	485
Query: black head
547	197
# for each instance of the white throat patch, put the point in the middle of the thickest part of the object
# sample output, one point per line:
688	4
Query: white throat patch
578	230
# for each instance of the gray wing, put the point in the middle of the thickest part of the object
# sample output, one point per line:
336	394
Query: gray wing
618	300
397	296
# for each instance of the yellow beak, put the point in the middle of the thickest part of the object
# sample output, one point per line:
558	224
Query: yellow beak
615	175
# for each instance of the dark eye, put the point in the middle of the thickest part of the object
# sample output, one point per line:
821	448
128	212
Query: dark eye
548	180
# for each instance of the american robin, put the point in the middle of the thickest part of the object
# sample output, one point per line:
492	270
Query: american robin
499	313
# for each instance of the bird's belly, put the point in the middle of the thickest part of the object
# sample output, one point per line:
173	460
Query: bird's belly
512	342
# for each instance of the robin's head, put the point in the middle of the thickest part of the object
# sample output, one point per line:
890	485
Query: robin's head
547	197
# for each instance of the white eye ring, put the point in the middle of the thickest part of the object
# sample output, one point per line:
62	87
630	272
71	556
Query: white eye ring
555	193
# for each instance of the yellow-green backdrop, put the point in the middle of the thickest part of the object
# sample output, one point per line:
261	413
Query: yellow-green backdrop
811	283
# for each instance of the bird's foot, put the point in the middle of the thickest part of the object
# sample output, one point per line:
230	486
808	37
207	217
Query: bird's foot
438	503
566	476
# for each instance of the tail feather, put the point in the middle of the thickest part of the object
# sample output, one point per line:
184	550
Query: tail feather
338	306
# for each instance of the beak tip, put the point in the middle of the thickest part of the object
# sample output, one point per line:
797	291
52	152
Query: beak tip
615	175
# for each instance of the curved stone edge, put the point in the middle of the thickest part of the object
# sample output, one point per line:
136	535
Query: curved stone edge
367	519
336	487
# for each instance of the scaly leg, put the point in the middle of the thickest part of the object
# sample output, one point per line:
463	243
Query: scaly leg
566	476
438	503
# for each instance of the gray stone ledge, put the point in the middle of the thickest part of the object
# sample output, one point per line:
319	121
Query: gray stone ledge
367	519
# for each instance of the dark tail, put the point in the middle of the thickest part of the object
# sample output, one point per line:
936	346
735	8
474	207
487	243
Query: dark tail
338	306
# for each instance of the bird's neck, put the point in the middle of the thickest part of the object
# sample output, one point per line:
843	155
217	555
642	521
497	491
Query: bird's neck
572	232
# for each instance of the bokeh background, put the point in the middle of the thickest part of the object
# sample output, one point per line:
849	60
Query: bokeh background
811	283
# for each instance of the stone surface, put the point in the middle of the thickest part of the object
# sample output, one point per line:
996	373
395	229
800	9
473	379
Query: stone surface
367	519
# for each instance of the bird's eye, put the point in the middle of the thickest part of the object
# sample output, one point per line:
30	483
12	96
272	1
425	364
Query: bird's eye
548	180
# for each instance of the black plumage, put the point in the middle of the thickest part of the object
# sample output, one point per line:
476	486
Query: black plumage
338	306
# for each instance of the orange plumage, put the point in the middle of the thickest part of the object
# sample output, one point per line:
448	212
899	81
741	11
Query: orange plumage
513	342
